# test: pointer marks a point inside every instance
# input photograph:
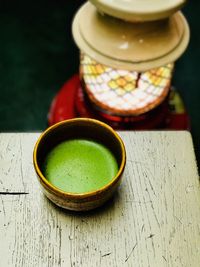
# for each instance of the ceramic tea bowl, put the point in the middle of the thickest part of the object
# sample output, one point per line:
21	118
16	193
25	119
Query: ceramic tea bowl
86	129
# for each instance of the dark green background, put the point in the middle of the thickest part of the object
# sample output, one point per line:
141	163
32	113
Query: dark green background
37	55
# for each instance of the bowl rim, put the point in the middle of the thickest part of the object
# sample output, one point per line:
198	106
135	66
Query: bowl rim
62	193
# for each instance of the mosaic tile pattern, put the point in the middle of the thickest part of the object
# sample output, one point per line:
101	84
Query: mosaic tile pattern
125	91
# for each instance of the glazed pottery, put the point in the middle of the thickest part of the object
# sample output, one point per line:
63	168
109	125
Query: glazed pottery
79	129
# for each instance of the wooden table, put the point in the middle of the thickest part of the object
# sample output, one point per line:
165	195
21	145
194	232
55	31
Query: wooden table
153	220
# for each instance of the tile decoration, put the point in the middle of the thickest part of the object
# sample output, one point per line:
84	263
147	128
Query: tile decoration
124	92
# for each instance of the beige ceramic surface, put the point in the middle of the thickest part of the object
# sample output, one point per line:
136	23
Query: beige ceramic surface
130	46
128	41
139	10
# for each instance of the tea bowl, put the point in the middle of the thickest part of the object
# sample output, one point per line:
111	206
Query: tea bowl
79	129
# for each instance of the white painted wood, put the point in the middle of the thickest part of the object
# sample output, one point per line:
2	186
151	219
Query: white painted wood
153	220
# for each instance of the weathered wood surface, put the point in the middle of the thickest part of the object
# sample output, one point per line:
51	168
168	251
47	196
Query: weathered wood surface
153	220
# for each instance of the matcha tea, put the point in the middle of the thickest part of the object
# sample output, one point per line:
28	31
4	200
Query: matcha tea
80	166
